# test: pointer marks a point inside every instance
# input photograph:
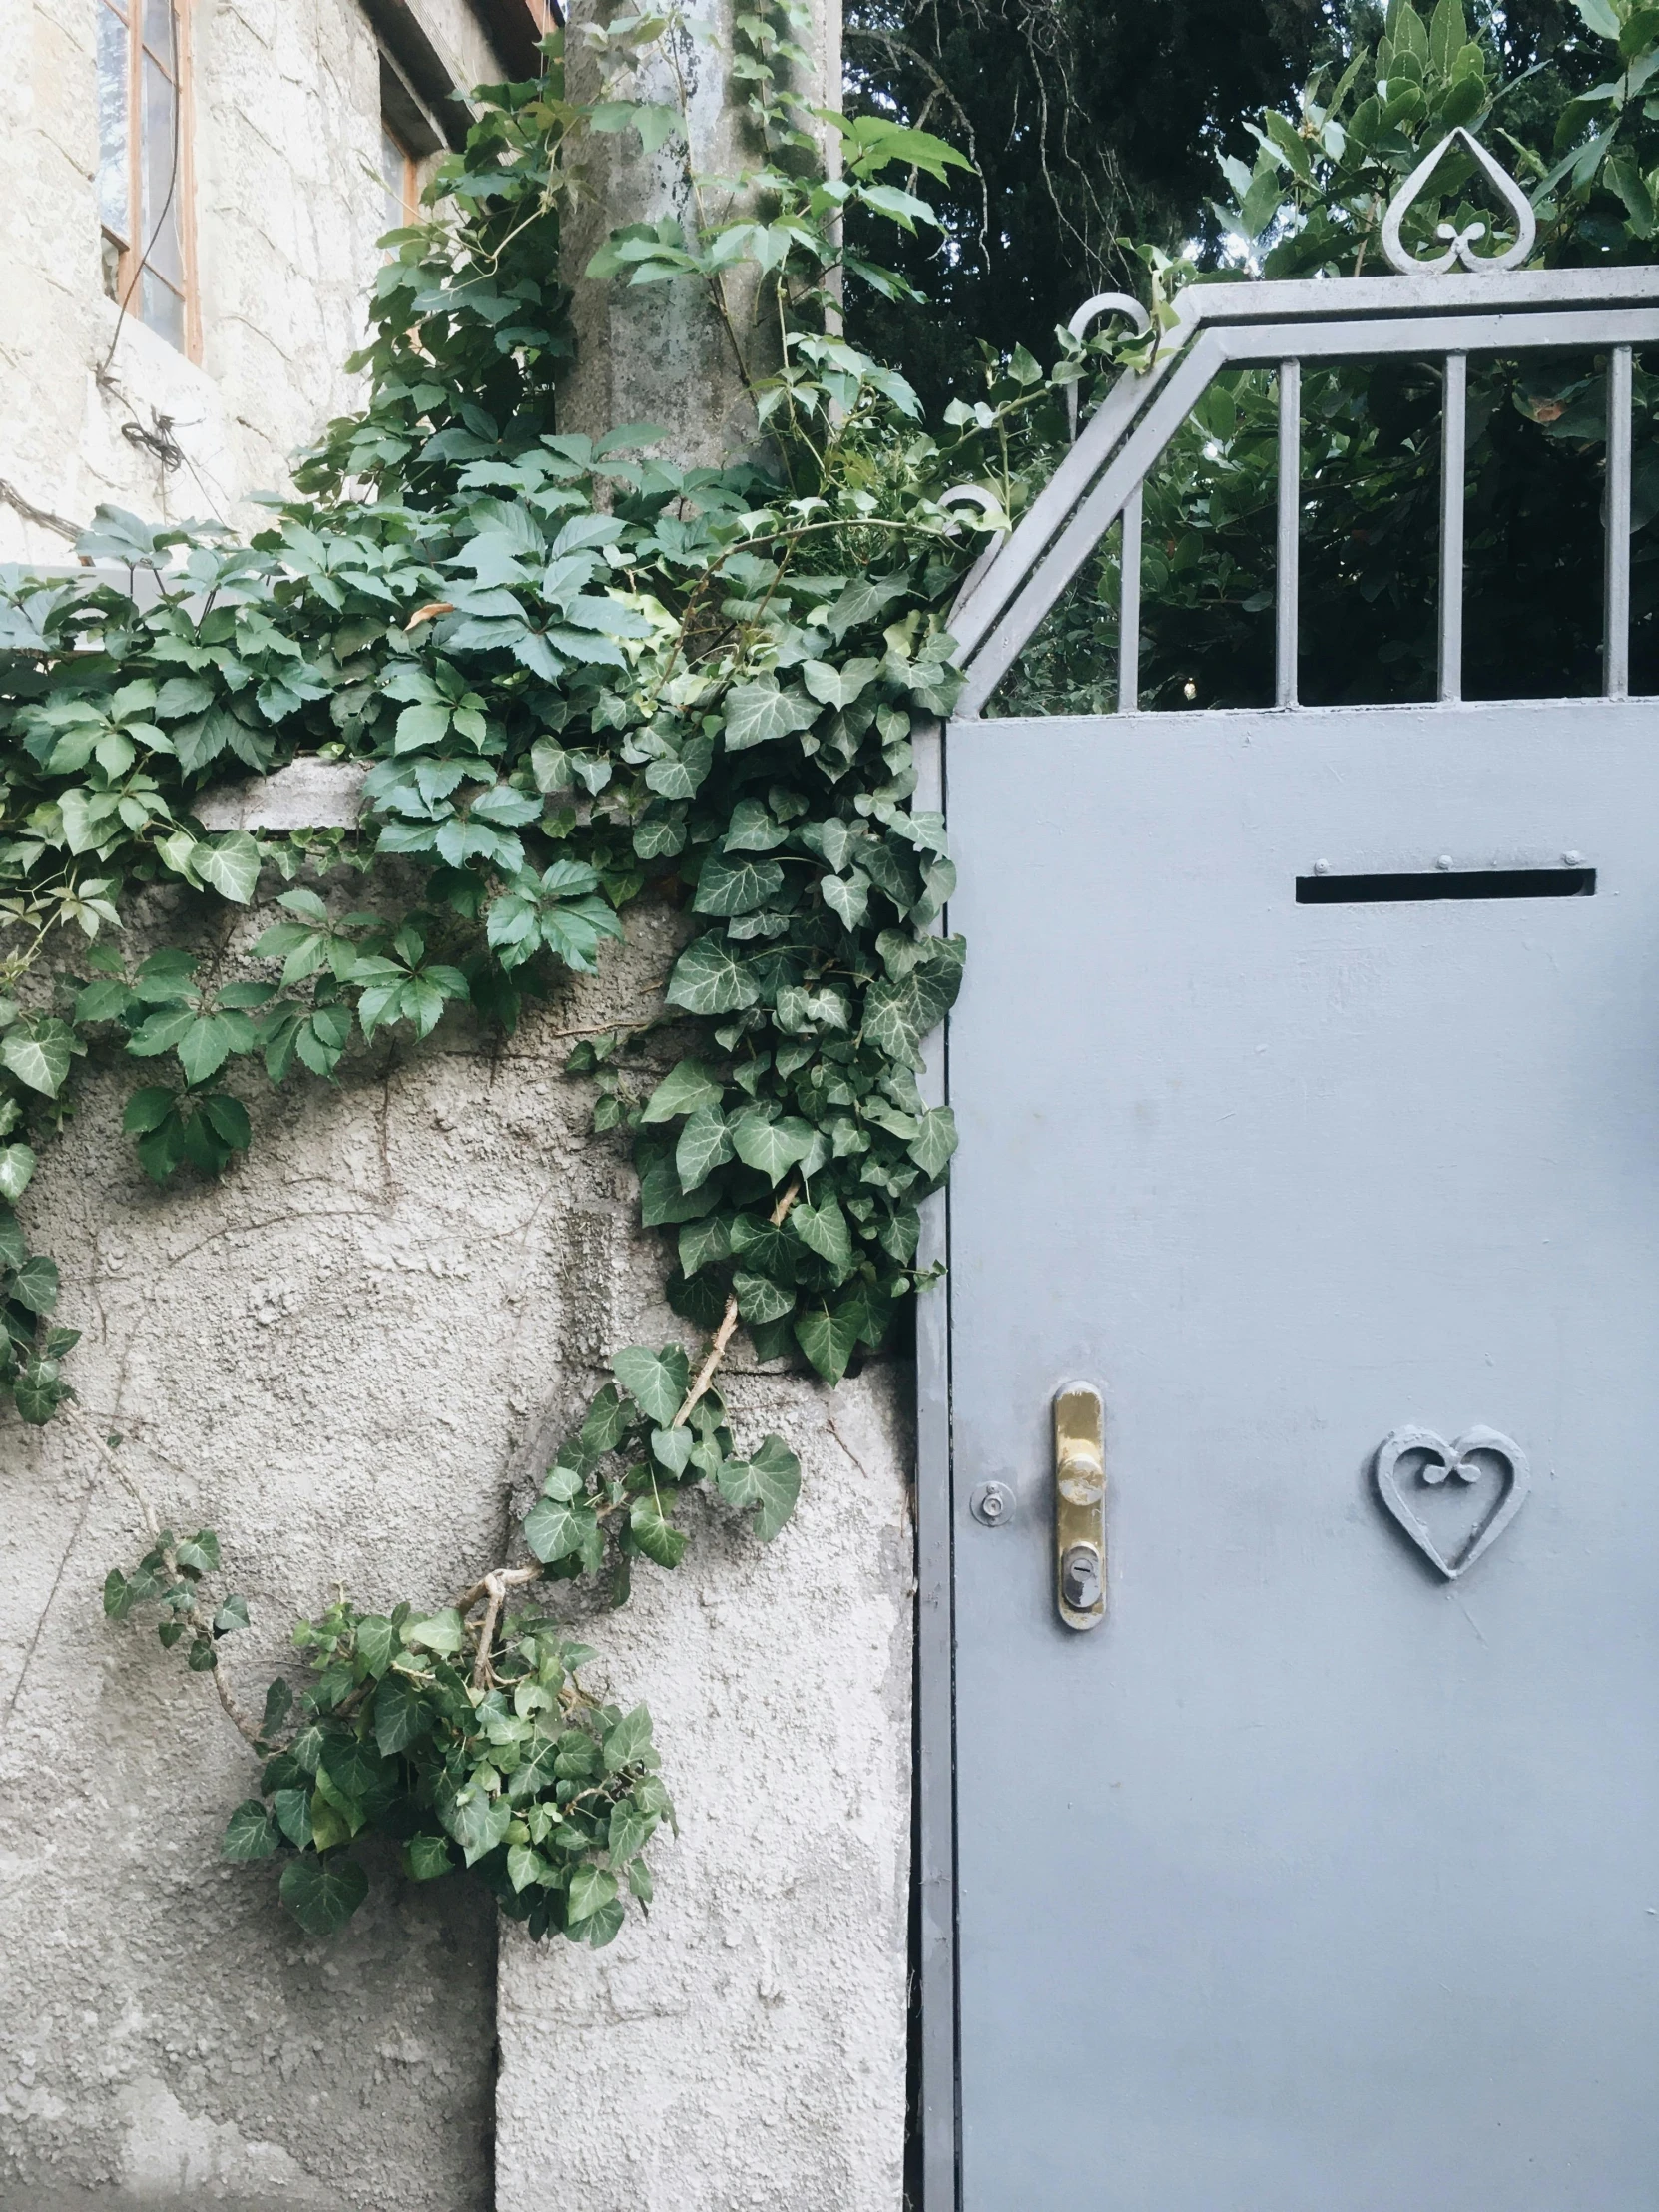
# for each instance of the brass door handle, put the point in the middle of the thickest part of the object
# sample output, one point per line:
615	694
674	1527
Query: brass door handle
1080	1506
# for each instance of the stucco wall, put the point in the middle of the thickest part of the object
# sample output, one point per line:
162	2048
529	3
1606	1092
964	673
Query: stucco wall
347	1357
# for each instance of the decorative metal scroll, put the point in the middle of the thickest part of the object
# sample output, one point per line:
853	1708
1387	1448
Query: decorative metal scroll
1461	248
1411	1458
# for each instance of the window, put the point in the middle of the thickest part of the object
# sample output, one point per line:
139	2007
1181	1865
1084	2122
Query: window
142	179
402	179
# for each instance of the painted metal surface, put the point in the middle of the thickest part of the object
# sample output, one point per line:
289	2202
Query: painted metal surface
1315	1879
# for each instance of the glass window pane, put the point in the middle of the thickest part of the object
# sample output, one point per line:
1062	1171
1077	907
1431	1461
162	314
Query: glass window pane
158	30
163	309
394	169
114	127
161	239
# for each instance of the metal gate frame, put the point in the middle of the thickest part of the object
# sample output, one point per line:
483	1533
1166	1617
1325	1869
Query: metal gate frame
1425	309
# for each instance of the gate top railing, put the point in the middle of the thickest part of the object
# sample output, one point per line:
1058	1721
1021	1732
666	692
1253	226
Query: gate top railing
1430	308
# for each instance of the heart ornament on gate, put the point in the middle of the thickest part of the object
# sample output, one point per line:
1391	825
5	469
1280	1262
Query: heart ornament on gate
1413	1460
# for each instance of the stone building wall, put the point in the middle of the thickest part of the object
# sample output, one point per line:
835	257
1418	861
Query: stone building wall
348	1356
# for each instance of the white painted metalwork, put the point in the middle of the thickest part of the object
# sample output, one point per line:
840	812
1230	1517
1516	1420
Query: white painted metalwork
1437	310
1461	248
1088	314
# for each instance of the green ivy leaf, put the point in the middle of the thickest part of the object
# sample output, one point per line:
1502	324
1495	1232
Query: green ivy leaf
823	1230
251	1833
444	1632
703	1145
656	1381
200	1555
770	1481
591	1889
35	1285
322	1894
478	1822
682	1091
38	1053
401	1715
293	1808
556	1529
17	1167
627	1743
736	887
428	1857
652	1533
378	1644
708	978
756	713
829	1338
230	865
774	1147
934	1141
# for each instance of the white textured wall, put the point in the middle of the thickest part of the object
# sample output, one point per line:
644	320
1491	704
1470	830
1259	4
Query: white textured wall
348	1356
287	204
749	2051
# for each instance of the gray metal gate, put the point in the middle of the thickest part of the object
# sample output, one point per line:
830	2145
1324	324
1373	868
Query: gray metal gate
1239	1801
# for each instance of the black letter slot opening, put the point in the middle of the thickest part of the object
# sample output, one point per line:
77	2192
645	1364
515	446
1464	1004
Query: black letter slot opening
1471	882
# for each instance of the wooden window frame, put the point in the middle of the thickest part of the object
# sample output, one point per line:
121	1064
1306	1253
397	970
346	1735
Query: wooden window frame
131	264
409	196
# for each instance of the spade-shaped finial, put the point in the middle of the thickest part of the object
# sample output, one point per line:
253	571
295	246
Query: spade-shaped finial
1461	248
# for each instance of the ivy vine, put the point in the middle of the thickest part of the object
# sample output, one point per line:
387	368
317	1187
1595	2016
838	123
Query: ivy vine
580	677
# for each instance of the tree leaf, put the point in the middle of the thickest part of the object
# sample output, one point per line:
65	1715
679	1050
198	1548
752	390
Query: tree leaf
322	1894
205	1046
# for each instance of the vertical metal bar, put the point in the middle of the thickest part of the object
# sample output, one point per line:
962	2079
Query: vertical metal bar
1129	608
1615	659
1288	573
936	1871
1451	525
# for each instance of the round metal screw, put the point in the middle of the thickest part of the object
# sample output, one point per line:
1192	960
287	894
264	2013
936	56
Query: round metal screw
1322	868
1571	859
992	1505
1444	862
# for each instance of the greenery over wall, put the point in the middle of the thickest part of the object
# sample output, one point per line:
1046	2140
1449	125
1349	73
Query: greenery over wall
581	676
